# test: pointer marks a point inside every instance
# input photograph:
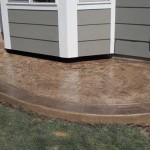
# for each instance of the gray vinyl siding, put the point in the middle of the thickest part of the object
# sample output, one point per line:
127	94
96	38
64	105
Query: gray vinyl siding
133	3
133	32
86	17
133	28
133	16
90	48
49	33
133	48
93	32
34	31
35	46
44	17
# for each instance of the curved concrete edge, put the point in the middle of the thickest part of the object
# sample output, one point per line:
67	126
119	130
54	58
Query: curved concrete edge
71	107
137	119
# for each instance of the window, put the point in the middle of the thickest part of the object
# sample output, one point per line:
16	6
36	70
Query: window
31	1
44	1
94	1
18	1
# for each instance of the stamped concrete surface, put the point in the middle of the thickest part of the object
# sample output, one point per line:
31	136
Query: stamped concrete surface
104	91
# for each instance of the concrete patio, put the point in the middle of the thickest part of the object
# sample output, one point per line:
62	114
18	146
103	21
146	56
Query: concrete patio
99	91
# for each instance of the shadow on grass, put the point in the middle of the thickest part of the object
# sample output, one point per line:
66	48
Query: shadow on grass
20	130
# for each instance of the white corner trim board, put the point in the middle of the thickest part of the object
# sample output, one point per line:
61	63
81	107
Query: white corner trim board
113	25
5	23
62	23
72	26
68	31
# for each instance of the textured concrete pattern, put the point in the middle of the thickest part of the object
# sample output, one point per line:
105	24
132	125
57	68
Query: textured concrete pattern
105	90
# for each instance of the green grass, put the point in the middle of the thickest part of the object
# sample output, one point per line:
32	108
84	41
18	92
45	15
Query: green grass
20	130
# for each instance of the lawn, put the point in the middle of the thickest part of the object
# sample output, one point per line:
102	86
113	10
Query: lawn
20	130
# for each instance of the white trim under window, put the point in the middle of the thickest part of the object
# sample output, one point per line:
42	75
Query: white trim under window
29	5
32	2
85	2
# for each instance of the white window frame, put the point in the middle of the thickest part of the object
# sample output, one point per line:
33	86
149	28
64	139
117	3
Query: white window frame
30	2
100	2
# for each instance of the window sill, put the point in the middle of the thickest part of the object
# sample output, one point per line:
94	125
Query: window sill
93	3
32	4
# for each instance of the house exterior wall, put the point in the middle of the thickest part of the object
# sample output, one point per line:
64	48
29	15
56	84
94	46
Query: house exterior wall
67	28
94	32
84	29
0	18
133	28
34	31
